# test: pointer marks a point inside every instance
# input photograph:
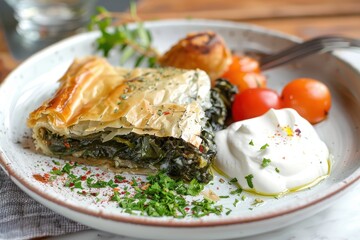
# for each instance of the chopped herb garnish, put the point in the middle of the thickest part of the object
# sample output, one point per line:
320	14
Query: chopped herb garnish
100	183
235	202
277	170
265	162
249	180
56	162
251	143
56	172
263	147
67	168
243	197
228	211
237	191
195	187
233	180
165	196
119	178
226	196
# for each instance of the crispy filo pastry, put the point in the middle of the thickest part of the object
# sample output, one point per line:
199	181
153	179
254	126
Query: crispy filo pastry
138	120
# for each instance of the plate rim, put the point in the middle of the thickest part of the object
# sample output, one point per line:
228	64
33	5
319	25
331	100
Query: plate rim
5	162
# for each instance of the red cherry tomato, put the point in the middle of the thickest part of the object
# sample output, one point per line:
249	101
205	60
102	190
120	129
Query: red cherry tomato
254	102
309	97
244	72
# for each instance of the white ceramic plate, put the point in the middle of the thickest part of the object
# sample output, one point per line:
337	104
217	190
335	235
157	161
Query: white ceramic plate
36	79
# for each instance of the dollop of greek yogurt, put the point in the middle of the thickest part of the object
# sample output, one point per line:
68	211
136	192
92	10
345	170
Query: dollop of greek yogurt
272	154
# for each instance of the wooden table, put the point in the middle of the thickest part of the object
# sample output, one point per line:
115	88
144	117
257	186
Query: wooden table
303	18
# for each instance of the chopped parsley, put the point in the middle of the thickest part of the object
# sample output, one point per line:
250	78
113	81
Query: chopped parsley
56	162
226	196
249	180
119	178
233	180
237	191
263	147
251	143
277	170
265	162
165	196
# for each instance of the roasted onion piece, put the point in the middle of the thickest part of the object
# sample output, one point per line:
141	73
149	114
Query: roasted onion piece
204	50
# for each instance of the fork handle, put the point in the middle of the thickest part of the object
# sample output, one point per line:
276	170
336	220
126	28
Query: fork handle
312	46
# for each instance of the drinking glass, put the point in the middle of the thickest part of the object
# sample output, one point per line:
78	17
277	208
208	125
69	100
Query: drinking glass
51	19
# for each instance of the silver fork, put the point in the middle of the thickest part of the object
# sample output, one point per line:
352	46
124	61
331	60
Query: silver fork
315	45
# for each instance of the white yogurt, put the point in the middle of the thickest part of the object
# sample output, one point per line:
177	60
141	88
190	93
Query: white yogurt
272	154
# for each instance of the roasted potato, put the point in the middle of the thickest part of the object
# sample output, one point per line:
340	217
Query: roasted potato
204	50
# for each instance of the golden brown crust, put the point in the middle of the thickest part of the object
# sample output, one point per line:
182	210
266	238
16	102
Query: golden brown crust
205	50
95	97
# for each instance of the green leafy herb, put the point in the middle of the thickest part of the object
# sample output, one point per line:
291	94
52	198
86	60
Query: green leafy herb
56	162
226	196
265	162
263	147
251	143
233	180
195	188
235	202
249	180
228	211
56	172
119	178
277	170
132	42
237	191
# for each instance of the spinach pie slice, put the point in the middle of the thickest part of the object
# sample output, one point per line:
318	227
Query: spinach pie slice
138	120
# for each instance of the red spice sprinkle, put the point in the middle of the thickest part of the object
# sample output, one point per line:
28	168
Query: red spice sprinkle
98	175
187	209
116	189
83	192
40	178
55	169
94	194
71	184
117	180
201	148
166	113
83	178
88	172
46	176
123	192
66	144
124	181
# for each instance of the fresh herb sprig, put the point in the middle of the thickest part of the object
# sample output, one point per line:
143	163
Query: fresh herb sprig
131	42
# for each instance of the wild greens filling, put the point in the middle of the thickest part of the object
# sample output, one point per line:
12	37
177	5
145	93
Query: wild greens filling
174	156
